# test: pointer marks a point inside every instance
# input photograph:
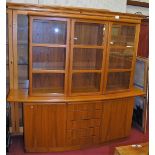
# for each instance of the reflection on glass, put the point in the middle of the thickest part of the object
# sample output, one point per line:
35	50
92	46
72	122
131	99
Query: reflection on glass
49	31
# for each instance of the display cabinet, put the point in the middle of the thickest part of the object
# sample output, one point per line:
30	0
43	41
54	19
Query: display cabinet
72	67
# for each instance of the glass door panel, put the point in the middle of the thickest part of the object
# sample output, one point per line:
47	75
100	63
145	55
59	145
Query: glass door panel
86	82
121	54
48	51
122	35
48	58
120	58
48	83
118	81
49	31
87	59
89	33
88	41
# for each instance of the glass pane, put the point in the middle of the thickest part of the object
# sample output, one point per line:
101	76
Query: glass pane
118	81
48	58
87	58
23	82
122	35
22	29
48	83
49	31
86	82
22	51
89	33
120	58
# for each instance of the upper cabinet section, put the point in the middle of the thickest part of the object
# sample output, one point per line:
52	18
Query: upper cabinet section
62	51
49	31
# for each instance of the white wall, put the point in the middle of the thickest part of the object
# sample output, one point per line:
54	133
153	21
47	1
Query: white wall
113	5
134	9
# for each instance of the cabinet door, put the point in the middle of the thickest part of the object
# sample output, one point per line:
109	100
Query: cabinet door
49	43
44	126
116	118
121	56
87	56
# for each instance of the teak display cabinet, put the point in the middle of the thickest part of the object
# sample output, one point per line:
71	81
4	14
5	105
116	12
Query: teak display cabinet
72	71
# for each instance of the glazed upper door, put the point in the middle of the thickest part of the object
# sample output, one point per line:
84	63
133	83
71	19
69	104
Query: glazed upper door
49	43
120	56
88	40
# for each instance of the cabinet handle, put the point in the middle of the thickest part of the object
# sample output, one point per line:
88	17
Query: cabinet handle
75	38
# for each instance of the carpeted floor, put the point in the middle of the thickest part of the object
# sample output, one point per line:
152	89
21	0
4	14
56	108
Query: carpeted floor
17	146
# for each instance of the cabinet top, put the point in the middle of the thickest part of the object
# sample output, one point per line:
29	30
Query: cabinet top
22	96
75	12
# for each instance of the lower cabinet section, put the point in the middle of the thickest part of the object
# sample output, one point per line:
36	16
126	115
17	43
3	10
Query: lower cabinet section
65	126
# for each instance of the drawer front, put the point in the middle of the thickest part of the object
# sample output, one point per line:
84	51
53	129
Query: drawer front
83	123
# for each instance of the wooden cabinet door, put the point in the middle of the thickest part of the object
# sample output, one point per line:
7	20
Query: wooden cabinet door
44	126
116	118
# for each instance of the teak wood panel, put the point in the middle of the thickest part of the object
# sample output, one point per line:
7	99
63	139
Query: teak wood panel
44	126
116	119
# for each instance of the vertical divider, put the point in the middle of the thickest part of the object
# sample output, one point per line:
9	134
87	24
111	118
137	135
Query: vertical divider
71	55
67	58
30	54
10	37
107	57
15	62
105	37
